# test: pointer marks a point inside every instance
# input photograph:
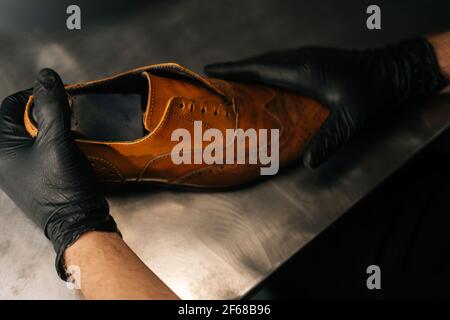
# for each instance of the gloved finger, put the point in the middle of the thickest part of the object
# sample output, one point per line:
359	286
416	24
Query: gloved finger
51	107
265	69
12	115
246	70
13	107
326	141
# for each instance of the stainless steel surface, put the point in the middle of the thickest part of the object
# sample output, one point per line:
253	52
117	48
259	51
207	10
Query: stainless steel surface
203	245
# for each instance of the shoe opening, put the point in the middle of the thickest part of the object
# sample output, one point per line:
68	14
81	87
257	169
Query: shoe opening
110	111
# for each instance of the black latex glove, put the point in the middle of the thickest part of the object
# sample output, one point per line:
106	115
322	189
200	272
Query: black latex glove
48	177
357	86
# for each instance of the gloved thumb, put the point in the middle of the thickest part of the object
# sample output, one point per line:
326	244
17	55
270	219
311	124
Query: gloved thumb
51	110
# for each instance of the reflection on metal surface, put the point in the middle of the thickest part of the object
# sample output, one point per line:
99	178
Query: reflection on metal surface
203	245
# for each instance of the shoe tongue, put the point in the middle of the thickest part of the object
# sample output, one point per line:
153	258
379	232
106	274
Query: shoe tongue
163	90
158	95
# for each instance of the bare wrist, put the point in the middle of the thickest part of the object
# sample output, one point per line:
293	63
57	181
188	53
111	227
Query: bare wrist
81	249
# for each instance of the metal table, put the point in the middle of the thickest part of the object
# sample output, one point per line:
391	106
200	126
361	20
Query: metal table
203	245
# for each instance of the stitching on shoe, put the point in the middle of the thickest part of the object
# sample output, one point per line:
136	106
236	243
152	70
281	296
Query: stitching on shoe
150	162
106	163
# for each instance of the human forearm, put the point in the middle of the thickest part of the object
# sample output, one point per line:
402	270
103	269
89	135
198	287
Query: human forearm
109	269
441	45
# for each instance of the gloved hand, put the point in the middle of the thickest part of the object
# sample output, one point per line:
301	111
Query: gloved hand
48	177
357	86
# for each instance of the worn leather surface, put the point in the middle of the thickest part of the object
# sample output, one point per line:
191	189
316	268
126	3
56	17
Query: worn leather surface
176	98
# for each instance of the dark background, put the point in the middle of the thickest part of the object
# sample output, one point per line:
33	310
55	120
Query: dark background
119	35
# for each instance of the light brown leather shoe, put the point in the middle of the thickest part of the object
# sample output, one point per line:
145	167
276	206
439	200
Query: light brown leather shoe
175	98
